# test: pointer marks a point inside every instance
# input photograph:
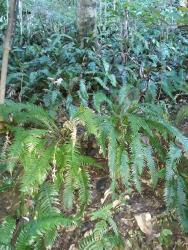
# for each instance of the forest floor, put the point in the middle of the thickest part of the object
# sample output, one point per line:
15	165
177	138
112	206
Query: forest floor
142	221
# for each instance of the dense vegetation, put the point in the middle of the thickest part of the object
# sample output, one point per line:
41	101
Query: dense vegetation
80	107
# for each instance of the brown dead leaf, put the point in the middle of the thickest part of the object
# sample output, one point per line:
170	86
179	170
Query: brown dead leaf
73	247
106	194
116	203
144	222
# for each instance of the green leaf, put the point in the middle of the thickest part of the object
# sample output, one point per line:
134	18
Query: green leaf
125	168
112	79
106	66
101	82
99	98
112	146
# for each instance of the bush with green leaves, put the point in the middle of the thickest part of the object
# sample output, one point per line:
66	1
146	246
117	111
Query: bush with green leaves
150	56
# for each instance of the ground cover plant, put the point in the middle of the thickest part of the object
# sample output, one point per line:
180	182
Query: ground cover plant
93	129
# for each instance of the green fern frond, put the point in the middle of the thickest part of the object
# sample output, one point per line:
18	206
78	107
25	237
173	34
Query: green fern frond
84	188
6	232
97	239
137	123
76	177
102	213
50	238
27	114
87	116
113	225
148	154
177	134
182	114
181	204
47	201
16	148
112	146
68	193
174	154
105	232
38	164
167	129
45	241
169	194
99	98
125	168
40	227
137	159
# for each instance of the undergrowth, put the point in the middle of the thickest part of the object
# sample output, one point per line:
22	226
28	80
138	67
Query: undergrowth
130	141
109	88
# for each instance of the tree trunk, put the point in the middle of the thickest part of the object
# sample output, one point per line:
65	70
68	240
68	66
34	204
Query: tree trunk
6	48
87	17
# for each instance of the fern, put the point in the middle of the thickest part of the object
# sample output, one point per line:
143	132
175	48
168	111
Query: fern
132	141
88	117
100	239
175	187
68	194
47	201
6	232
173	155
38	228
27	114
182	202
36	148
135	139
182	114
125	168
148	155
76	177
99	98
137	161
105	233
42	229
112	145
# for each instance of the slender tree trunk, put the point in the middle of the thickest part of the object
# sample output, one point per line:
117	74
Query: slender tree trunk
86	17
6	48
